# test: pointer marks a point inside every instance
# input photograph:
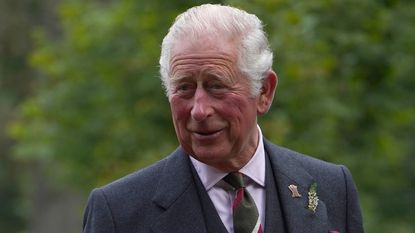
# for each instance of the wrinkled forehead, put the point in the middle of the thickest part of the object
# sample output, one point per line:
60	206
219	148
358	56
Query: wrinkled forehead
202	53
204	49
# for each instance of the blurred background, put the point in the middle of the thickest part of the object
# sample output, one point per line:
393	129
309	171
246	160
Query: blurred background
81	103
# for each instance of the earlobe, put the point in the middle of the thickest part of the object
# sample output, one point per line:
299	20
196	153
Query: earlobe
266	95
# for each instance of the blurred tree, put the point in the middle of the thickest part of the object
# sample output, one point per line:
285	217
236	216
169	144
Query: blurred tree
17	19
345	93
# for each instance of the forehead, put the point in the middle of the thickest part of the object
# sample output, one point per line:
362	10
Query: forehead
203	42
203	54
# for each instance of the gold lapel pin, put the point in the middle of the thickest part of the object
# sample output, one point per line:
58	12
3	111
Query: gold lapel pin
294	191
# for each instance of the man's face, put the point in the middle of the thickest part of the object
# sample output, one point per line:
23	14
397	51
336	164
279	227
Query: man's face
213	111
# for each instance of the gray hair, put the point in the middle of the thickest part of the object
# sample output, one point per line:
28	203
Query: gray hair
254	54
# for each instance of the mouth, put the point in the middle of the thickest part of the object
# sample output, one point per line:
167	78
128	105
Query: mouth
206	135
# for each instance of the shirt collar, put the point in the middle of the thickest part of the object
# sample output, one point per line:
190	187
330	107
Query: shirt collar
254	169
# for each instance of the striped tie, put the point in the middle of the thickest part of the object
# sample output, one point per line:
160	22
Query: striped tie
245	214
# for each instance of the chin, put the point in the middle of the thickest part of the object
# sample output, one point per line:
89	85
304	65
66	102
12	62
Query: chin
210	157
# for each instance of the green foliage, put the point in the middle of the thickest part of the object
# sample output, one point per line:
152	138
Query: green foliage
99	110
345	93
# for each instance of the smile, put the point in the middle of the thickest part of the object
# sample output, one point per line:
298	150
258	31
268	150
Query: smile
208	135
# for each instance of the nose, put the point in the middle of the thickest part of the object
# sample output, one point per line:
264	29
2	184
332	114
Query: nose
202	106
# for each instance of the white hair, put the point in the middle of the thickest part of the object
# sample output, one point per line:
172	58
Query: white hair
254	54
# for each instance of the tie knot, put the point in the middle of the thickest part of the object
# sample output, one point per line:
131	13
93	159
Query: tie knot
235	179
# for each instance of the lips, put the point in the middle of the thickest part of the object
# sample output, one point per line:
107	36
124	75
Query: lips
206	134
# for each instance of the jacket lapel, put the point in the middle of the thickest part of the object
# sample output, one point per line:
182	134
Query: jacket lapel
274	220
289	171
177	195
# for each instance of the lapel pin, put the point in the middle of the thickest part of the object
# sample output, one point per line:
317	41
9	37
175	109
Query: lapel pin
294	191
312	197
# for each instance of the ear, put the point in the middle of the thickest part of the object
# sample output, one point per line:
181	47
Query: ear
269	85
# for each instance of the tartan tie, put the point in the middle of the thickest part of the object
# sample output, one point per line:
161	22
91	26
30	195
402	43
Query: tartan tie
245	213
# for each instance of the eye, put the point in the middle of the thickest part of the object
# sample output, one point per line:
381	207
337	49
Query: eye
184	88
216	86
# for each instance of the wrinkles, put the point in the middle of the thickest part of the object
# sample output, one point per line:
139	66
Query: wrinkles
203	57
216	64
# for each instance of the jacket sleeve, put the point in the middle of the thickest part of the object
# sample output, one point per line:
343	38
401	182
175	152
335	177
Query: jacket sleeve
354	220
97	216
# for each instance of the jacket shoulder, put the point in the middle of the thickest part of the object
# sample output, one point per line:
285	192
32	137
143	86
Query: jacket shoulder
137	183
127	200
316	167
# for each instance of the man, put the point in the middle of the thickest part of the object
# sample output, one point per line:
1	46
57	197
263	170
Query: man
225	177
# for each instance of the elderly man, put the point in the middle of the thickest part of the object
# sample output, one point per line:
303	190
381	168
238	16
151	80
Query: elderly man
225	177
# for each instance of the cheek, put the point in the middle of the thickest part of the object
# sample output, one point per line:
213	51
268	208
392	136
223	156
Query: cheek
239	108
179	109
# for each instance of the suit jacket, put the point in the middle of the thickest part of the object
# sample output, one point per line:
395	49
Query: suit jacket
166	198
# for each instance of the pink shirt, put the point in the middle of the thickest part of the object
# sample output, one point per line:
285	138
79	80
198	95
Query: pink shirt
221	193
